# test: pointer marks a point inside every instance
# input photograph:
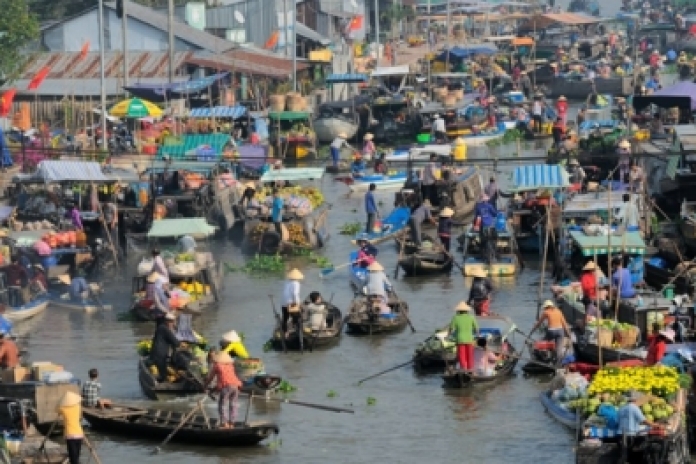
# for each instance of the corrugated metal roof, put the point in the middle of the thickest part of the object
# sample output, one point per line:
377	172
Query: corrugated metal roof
234	112
90	87
311	34
248	61
69	65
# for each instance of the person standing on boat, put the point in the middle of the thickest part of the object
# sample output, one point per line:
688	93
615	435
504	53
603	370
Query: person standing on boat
577	173
480	292
439	129
485	215
621	281
420	214
227	385
75	217
463	327
371	208
588	282
110	211
379	285
369	150
156	291
231	343
163	342
556	327
357	167
158	265
338	143
70	410
291	299
277	211
628	214
444	228
429	180
657	345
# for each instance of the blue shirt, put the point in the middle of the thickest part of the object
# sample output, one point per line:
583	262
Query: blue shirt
486	212
277	213
77	287
671	55
630	418
651	84
370	205
621	279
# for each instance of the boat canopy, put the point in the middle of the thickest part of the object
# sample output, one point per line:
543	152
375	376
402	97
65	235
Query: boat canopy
232	112
68	171
387	71
630	242
347	78
292	174
195	227
539	176
289	115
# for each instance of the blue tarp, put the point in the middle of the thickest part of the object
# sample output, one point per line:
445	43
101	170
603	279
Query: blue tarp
539	176
234	112
160	92
346	78
460	53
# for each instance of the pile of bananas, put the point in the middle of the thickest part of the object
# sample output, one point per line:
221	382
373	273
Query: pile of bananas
297	235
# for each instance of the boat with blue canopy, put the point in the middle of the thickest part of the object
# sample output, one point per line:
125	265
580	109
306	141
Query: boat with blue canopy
392	225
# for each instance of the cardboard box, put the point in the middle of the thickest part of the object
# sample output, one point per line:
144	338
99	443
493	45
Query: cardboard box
39	369
16	375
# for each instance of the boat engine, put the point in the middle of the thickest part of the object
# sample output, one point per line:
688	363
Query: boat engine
544	351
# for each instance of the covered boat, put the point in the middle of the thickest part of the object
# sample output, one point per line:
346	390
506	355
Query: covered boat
335	118
364	318
426	262
309	339
157	424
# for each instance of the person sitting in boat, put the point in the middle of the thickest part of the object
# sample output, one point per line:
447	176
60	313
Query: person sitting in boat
577	173
367	252
378	285
621	281
90	392
231	343
480	292
657	344
158	264
38	284
9	353
163	342
187	244
484	359
227	386
381	165
588	280
79	288
357	167
317	311
631	417
556	327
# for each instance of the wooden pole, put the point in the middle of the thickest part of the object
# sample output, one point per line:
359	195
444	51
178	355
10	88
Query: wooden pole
543	262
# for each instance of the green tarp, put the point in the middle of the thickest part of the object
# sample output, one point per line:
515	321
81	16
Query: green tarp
195	227
289	115
189	143
629	243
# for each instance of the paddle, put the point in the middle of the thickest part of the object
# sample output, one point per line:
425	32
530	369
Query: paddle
453	260
186	418
328	270
404	312
307	405
279	321
385	372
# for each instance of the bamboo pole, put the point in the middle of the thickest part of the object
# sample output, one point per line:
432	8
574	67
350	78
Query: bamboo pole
543	262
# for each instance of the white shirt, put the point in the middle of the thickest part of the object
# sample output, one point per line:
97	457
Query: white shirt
338	142
439	125
377	283
536	111
629	215
317	316
291	293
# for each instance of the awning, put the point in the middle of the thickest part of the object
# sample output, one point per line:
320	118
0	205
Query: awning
391	71
166	91
308	33
461	53
629	243
69	171
292	174
539	176
195	227
233	112
347	78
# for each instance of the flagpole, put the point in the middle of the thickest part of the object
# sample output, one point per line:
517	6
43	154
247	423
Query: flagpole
101	74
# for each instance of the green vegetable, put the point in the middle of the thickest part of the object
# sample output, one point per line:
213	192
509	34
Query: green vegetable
371	401
350	228
331	394
286	387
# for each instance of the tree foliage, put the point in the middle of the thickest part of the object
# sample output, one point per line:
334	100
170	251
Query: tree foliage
18	28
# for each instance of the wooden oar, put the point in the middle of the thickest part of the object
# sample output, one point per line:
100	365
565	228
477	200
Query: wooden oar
385	371
405	313
307	405
91	449
184	420
453	260
328	270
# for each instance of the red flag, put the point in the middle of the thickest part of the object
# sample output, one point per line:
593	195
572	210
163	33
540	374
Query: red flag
6	102
39	78
84	50
272	41
355	23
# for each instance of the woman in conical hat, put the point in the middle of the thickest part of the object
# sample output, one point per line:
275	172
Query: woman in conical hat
463	327
227	384
69	408
378	285
232	343
291	298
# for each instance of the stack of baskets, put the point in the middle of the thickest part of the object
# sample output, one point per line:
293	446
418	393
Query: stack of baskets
626	338
277	102
605	337
295	102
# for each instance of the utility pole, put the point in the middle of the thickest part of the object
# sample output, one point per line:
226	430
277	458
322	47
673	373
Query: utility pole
294	46
286	26
377	30
170	27
102	44
124	33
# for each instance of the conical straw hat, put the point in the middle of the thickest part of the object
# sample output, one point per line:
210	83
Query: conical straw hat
295	274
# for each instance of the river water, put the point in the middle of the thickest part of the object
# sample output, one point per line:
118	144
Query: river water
413	418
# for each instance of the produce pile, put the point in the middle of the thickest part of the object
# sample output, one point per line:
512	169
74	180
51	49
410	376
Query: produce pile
623	335
658	380
296	234
185	258
298	130
290	195
194	289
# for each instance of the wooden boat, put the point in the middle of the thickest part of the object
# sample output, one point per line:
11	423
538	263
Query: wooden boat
404	241
358	274
392	181
363	319
505	263
156	424
560	414
162	391
589	353
57	301
542	358
27	311
312	338
505	266
426	262
659	272
462	379
436	352
420	152
392	225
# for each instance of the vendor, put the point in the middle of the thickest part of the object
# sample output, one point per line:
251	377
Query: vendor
556	326
158	264
621	281
357	167
367	252
588	280
631	417
232	344
318	311
158	289
187	244
163	342
657	344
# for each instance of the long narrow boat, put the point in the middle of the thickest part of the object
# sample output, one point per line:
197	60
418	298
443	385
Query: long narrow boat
312	338
58	302
389	182
156	424
562	415
27	311
358	274
462	379
363	320
426	263
392	225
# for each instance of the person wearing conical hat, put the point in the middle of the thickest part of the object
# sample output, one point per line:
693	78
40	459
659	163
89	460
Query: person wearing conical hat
291	298
358	167
480	292
227	384
156	291
232	344
70	410
367	251
163	343
463	326
378	285
369	150
444	227
338	143
588	280
556	327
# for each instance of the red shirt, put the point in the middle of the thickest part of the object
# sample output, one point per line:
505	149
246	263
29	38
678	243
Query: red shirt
588	282
656	350
226	376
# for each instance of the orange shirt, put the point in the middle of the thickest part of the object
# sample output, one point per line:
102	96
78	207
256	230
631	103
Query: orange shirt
226	376
9	354
555	318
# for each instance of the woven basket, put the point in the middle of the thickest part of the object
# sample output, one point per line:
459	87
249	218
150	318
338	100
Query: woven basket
295	103
605	337
277	102
627	338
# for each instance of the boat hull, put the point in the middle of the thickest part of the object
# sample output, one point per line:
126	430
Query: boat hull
506	266
163	391
327	129
565	417
426	264
394	224
316	339
461	379
360	321
21	313
589	353
381	183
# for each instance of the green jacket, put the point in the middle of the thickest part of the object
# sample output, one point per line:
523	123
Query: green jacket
464	327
